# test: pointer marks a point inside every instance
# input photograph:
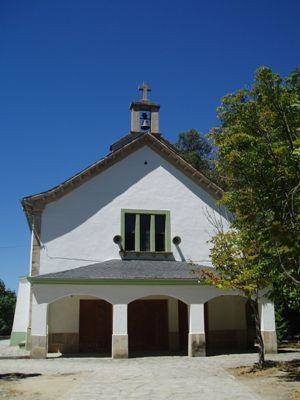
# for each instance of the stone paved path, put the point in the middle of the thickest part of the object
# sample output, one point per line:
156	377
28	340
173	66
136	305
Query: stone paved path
149	378
7	351
161	379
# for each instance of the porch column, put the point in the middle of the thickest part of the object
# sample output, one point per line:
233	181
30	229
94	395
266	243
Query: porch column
173	324
196	347
39	330
120	336
267	326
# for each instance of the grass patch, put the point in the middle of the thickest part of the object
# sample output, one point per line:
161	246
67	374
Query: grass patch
291	345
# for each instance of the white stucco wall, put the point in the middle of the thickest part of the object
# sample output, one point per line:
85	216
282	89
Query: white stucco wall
63	315
120	319
21	317
224	312
194	296
124	294
196	318
267	312
78	229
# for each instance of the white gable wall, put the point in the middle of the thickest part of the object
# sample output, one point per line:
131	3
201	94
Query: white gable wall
78	228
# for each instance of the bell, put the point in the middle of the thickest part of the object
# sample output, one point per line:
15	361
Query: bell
145	124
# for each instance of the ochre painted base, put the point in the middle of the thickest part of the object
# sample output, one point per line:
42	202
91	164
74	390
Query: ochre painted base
119	346
235	339
65	343
197	347
270	341
38	347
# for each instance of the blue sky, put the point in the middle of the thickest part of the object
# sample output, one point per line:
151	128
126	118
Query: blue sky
69	70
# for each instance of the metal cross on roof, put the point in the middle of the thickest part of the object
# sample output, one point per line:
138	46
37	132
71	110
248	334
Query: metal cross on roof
145	89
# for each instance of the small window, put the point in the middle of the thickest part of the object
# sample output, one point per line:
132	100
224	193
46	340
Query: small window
130	232
160	232
147	231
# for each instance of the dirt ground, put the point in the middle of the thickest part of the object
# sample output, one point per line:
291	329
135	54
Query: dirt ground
220	377
280	380
42	387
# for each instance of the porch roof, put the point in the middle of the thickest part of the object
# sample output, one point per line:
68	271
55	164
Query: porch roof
125	270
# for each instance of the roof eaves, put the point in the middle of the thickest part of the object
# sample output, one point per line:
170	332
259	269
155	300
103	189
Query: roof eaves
79	178
113	281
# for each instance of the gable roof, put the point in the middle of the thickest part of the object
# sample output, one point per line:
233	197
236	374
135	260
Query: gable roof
34	204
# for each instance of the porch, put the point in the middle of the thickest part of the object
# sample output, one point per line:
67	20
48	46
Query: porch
123	320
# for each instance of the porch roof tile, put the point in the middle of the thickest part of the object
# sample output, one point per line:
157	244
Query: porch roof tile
128	269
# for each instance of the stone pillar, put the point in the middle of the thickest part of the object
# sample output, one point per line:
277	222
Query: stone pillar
173	324
196	347
39	337
120	336
134	121
267	326
154	122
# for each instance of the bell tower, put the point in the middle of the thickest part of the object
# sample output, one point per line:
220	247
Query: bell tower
143	113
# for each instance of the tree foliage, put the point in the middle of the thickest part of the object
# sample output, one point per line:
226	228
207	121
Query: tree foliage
238	268
258	162
7	308
196	150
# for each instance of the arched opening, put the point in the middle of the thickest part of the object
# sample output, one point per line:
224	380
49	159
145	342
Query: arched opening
80	324
157	325
229	325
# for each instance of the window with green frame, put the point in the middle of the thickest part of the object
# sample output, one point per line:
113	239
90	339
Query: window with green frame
146	230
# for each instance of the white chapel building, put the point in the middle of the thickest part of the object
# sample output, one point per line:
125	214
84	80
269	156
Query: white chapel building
110	265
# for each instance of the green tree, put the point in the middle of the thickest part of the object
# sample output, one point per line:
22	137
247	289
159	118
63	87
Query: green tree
258	163
196	150
237	267
7	308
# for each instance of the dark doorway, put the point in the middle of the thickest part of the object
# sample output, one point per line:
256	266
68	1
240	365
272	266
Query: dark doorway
95	327
148	326
183	326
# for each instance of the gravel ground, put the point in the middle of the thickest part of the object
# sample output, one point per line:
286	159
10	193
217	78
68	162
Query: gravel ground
153	378
7	351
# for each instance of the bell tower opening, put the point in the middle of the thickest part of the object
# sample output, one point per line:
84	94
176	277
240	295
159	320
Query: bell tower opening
144	113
